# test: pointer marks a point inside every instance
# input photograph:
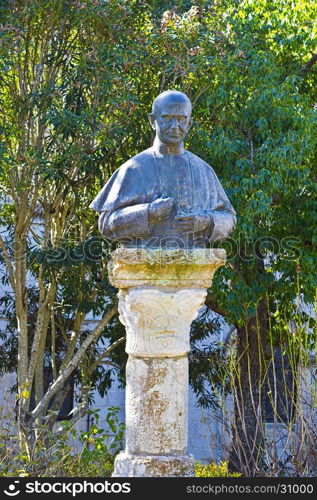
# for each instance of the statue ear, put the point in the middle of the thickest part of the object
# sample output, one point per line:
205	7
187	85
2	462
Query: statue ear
190	122
152	120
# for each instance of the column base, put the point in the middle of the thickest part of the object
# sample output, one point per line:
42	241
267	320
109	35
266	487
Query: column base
127	465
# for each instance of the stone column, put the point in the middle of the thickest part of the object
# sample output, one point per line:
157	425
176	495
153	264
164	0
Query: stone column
160	293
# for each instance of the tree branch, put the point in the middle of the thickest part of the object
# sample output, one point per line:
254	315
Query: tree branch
7	261
105	353
308	66
57	385
42	321
213	305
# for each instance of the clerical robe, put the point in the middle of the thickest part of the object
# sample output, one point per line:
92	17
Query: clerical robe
190	182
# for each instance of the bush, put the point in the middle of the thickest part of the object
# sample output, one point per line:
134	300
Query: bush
56	455
214	470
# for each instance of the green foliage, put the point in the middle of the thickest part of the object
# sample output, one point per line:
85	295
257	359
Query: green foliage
57	454
208	361
214	470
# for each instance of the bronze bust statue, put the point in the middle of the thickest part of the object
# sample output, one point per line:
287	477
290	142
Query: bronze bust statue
165	196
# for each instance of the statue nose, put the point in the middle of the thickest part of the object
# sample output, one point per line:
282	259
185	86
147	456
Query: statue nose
175	123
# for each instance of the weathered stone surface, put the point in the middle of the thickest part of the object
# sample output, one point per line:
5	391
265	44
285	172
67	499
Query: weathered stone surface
156	406
158	320
127	465
157	317
174	268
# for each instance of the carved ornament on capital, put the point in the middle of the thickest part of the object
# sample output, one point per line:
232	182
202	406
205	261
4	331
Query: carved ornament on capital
158	321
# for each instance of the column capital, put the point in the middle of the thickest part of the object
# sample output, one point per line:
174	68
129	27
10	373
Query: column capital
157	321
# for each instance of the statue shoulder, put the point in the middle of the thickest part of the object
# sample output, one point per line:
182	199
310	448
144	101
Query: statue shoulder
137	162
199	162
126	183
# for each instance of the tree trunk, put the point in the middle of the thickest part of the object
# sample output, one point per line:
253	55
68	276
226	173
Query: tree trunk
22	323
249	394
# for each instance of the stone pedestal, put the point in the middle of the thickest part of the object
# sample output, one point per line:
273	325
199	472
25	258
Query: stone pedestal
160	294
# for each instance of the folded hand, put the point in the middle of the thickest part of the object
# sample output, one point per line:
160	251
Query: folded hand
192	223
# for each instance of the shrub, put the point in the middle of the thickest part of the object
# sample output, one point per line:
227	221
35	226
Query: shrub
214	470
56	454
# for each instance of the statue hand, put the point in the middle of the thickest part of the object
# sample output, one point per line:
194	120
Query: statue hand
192	223
160	209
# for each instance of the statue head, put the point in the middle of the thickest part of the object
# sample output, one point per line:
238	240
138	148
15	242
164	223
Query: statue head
171	116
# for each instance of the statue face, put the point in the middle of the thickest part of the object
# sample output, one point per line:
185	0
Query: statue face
171	120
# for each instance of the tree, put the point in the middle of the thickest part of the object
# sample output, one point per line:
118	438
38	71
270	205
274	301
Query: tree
55	119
